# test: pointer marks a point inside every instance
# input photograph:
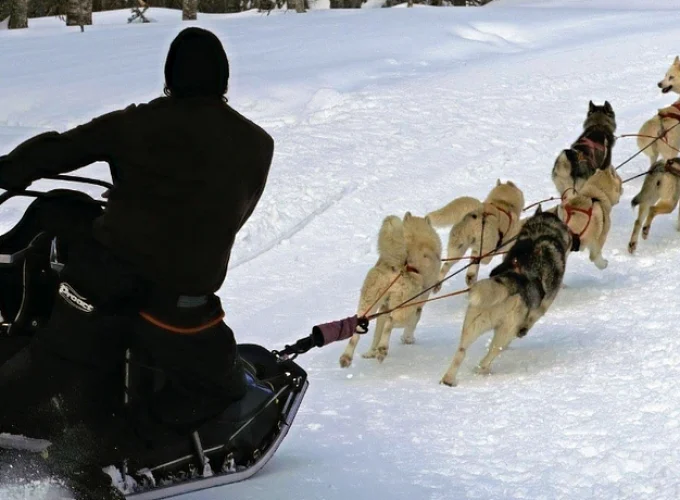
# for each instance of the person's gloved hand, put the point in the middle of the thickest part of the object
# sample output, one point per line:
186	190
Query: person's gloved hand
9	179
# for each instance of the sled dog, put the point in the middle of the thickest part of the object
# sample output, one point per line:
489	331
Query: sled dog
665	119
500	213
409	258
519	291
591	151
659	195
588	213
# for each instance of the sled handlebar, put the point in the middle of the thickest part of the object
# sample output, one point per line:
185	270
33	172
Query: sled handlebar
83	180
61	177
32	194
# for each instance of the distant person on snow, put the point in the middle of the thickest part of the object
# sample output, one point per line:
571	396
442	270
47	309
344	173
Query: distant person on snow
188	172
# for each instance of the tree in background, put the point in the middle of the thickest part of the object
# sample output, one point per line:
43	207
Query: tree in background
78	13
299	6
346	4
189	10
42	8
18	14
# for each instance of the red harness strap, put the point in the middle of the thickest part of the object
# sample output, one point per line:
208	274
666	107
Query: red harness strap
570	211
501	234
411	269
674	116
592	144
564	194
507	214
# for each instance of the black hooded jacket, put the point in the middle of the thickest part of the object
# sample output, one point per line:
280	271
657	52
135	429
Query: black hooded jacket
187	174
188	170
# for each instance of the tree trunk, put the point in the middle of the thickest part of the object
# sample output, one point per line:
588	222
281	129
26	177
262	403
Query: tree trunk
87	12
299	6
459	3
189	10
78	12
18	14
73	13
410	3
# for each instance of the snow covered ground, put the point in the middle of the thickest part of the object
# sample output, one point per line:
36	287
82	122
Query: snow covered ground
381	111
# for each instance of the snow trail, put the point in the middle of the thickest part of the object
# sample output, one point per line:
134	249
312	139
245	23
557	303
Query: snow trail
387	110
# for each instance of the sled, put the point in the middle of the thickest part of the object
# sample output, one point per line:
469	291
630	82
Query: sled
32	255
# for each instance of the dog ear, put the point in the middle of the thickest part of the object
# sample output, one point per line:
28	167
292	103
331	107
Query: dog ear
591	107
428	220
608	107
407	216
539	210
498	182
510	183
677	61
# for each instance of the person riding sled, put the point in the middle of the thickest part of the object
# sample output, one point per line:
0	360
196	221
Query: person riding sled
187	172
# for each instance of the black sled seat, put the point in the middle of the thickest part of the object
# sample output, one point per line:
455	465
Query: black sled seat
231	447
227	449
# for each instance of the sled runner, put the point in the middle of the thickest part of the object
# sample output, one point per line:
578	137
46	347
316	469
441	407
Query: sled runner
231	448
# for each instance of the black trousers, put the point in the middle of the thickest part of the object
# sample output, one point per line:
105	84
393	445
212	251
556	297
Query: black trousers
71	374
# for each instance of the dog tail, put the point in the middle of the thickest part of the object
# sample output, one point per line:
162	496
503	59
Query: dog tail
562	167
487	293
649	193
636	201
453	213
392	242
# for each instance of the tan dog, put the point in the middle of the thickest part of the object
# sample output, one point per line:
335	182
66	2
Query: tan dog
662	185
500	212
588	213
665	119
409	258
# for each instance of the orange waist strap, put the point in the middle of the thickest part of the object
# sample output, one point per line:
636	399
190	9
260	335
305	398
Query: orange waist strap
182	330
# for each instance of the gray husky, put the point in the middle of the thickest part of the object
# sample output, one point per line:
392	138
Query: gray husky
591	151
518	292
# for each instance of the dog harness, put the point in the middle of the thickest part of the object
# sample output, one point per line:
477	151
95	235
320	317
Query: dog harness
508	214
569	210
592	146
668	167
563	197
674	116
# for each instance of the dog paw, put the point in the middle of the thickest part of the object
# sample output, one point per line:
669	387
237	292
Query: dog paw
645	232
369	354
449	381
632	246
408	340
602	264
345	361
382	354
482	370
